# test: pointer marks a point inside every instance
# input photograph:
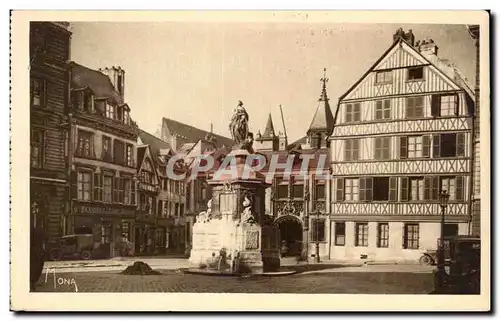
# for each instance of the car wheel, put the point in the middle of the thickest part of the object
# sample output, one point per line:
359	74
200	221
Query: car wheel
425	260
86	255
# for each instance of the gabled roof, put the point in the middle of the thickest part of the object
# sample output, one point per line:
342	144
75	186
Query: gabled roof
99	83
141	151
323	117
193	134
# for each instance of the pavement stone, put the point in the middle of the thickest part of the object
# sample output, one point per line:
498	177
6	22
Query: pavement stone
177	281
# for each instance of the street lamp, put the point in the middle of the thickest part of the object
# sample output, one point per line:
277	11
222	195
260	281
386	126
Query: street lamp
443	200
317	236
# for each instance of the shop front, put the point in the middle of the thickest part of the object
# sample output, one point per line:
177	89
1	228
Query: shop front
145	235
106	223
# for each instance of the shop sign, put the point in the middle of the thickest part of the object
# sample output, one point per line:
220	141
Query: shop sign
101	209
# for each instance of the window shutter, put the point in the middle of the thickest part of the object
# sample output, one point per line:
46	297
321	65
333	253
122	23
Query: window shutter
132	192
427	188
459	188
340	189
404	188
116	188
426	146
96	187
348	113
347	147
362	189
74	185
457	105
460	144
435	105
436	146
369	189
435	188
378	147
393	189
403	147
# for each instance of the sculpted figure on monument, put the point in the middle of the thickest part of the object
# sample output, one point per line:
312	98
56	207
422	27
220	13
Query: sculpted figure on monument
205	216
239	127
247	216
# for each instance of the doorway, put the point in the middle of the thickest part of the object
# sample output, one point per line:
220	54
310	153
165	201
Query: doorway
290	236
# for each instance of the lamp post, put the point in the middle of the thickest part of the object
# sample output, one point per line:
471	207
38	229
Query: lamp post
306	220
443	200
317	237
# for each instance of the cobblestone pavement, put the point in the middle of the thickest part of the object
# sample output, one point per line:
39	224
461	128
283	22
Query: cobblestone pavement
177	281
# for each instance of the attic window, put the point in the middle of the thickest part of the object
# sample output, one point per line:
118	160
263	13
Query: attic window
87	101
383	77
416	73
110	111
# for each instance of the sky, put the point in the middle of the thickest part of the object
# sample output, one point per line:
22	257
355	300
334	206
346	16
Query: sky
196	73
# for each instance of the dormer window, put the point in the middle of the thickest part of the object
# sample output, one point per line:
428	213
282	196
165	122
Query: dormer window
110	111
416	73
126	117
87	101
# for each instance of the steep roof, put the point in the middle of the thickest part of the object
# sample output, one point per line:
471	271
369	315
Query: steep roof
323	117
298	142
193	134
141	151
154	142
269	130
99	83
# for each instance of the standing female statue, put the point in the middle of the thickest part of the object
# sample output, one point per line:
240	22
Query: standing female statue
239	125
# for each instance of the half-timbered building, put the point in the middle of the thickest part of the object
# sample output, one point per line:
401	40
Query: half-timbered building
402	134
103	158
49	88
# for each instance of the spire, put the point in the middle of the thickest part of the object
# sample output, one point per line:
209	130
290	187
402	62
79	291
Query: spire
269	131
324	80
323	117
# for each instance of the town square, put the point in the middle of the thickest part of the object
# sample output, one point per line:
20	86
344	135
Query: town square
254	157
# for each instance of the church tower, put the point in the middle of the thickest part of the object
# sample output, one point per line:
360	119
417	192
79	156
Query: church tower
267	141
322	123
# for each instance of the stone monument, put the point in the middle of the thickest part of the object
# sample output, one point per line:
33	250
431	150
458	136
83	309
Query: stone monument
233	235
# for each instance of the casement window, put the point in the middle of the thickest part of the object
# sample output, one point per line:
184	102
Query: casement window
366	189
129	155
351	149
87	101
352	112
383	109
317	230
339	233
298	189
106	149
412	189
85	144
361	234
431	188
282	189
126	230
351	189
319	190
110	111
37	148
98	187
383	77
118	190
119	152
416	73
383	235
411	236
382	148
37	92
84	185
414	146
415	107
106	233
444	105
128	192
107	187
126	117
448	145
453	185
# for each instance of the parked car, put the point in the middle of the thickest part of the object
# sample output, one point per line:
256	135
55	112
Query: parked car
76	246
462	272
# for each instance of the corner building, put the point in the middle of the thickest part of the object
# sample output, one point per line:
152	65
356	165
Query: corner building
402	134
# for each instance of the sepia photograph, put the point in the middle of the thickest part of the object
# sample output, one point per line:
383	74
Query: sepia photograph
237	153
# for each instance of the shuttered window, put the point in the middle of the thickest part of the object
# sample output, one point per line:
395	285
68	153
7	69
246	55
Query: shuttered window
351	149
431	188
352	112
107	185
366	189
404	188
393	189
340	189
351	189
415	107
411	236
382	148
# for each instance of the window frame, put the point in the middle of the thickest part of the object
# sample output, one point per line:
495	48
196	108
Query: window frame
383	235
384	108
42	92
382	148
80	150
351	149
351	189
361	239
352	113
386	79
40	144
412	243
412	106
411	69
318	234
81	184
341	226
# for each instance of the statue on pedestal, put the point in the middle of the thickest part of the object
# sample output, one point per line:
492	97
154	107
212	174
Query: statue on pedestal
239	128
247	216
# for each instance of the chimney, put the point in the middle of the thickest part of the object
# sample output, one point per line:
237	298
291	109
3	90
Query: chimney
406	36
117	77
428	48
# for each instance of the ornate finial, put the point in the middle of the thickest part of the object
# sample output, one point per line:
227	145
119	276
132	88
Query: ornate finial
240	103
324	80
